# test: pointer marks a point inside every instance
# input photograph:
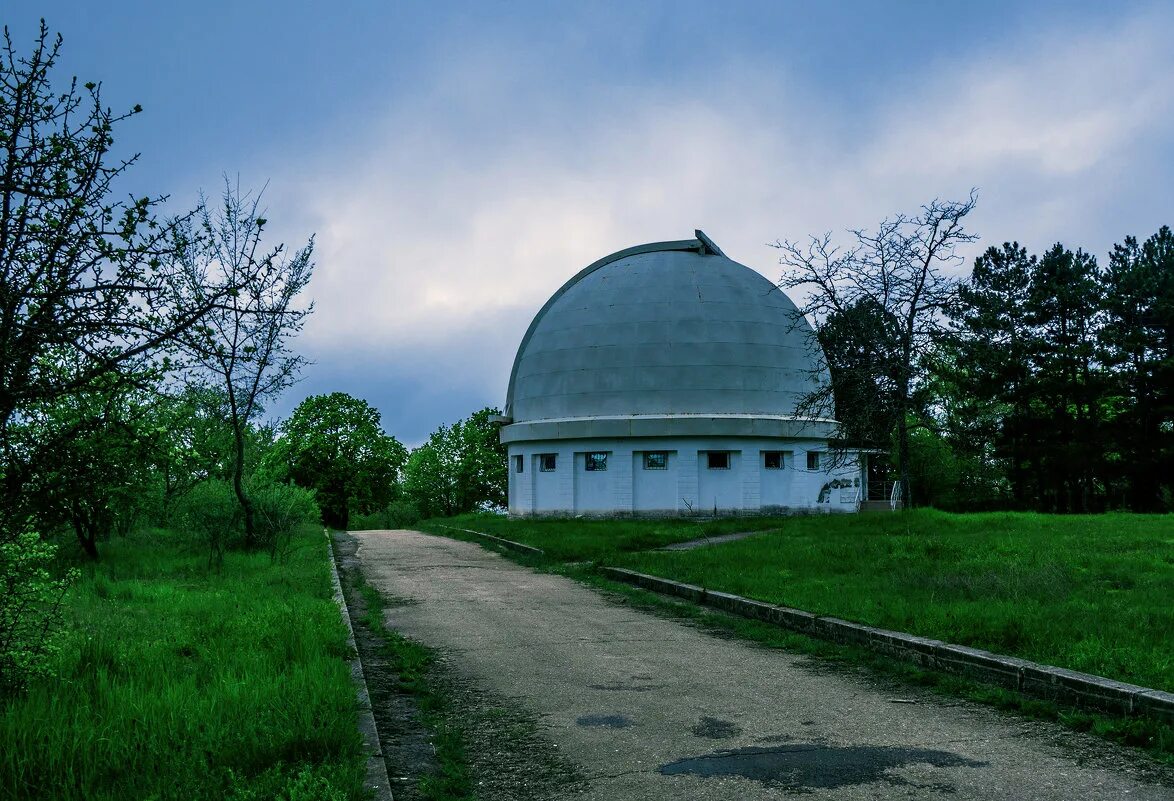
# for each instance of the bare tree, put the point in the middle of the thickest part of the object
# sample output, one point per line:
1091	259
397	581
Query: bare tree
901	270
242	344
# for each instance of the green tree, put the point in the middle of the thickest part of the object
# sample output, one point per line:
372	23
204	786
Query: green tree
902	268
253	296
83	275
335	445
1138	342
459	469
1064	307
992	382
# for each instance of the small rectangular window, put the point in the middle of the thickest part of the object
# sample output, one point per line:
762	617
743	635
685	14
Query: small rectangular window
718	460
547	462
518	462
596	461
813	460
772	460
656	460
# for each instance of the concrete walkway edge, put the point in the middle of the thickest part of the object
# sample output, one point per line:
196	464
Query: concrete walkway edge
510	544
1031	678
376	781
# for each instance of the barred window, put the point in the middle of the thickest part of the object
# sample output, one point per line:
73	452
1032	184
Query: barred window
718	460
596	461
813	460
772	460
518	462
656	460
547	462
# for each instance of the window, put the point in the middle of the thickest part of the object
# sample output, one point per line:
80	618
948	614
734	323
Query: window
518	462
772	460
596	461
547	462
656	460
813	460
718	460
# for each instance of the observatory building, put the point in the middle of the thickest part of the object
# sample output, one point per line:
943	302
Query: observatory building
663	380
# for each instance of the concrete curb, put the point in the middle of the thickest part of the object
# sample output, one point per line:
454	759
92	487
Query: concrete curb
1042	681
376	781
513	546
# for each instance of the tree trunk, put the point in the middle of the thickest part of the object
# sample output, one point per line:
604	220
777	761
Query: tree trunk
86	536
238	486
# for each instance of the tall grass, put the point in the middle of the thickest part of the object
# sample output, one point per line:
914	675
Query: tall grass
179	682
1090	593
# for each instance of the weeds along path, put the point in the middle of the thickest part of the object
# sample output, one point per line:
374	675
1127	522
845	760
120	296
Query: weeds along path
650	708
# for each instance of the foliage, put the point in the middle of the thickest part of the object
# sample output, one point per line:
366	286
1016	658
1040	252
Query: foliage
934	471
179	683
1059	375
243	344
459	469
897	280
83	275
30	611
281	509
211	512
335	445
397	514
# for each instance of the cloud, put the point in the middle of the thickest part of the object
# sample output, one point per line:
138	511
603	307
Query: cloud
448	219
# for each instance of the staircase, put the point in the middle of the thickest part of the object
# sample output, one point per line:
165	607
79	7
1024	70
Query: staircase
879	506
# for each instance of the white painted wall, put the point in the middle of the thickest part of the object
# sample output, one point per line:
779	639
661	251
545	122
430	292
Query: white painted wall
655	489
687	486
717	488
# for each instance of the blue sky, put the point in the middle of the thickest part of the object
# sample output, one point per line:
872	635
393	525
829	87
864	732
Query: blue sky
458	162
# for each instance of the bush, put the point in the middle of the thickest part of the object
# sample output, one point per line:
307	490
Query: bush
30	610
212	513
397	514
278	511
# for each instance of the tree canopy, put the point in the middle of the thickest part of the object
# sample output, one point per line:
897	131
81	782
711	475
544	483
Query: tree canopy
335	445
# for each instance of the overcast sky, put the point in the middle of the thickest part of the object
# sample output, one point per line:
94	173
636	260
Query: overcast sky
458	162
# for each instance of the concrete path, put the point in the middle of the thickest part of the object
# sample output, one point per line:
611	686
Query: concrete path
651	708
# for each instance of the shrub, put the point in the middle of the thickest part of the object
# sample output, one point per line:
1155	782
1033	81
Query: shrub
212	513
279	509
397	514
30	610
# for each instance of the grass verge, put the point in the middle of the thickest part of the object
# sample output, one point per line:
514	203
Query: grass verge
1088	593
176	682
567	540
411	663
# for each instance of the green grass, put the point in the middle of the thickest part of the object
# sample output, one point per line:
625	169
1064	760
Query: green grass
1089	593
596	540
174	682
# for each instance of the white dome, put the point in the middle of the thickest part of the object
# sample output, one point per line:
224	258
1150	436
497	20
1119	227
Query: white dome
667	329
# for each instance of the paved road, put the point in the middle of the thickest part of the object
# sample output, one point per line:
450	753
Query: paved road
651	708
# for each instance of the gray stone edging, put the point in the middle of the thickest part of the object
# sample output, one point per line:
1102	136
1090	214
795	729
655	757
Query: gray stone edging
513	546
1030	678
376	781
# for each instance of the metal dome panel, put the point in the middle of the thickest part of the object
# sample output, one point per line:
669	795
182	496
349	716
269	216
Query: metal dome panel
673	328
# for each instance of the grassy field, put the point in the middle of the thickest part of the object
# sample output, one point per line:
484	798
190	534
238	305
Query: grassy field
1090	593
179	683
596	540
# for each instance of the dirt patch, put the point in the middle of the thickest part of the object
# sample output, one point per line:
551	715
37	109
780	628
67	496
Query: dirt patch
406	742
